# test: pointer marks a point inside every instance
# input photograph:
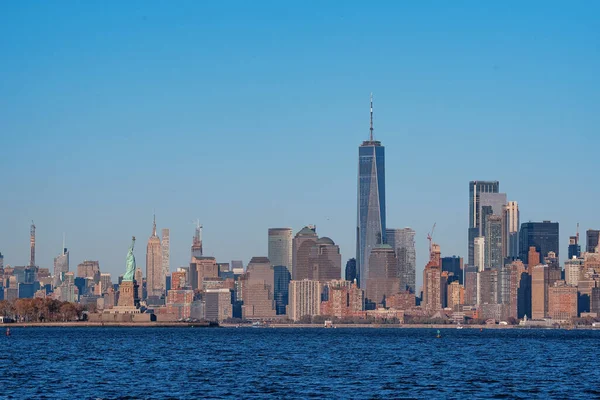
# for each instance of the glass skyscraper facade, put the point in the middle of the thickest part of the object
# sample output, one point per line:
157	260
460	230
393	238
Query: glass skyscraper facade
370	230
282	278
475	189
541	235
403	243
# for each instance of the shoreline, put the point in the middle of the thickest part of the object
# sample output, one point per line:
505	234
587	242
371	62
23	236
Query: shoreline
85	324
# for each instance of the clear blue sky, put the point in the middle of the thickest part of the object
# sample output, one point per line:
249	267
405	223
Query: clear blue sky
248	115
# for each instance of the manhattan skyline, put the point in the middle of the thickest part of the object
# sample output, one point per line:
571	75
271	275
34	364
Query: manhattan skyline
516	103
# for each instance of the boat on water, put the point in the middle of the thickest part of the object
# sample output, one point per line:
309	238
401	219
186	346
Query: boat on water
459	327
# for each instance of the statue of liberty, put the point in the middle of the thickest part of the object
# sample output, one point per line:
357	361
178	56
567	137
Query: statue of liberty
130	271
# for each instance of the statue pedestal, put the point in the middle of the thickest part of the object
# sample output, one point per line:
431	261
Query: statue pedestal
126	294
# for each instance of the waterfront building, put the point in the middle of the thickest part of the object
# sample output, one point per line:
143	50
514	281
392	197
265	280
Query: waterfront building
595	300
351	274
202	268
403	243
166	253
218	305
541	235
179	303
280	247
258	285
305	299
282	279
562	301
454	266
155	281
488	287
511	220
61	266
479	252
539	291
383	279
494	256
592	239
139	283
344	299
476	188
371	227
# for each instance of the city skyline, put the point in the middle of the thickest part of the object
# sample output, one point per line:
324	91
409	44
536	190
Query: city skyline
252	128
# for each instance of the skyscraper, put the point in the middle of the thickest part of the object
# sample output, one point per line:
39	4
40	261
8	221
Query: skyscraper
403	243
574	247
592	239
61	264
475	190
258	286
282	279
493	242
155	281
197	241
510	216
454	266
539	291
280	247
351	270
302	245
479	253
166	266
370	230
542	235
383	277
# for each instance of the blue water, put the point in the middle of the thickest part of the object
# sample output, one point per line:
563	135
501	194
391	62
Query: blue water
298	363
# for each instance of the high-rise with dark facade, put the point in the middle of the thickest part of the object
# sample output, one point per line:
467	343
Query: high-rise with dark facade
370	229
494	257
282	278
592	239
454	266
574	247
541	235
475	190
350	274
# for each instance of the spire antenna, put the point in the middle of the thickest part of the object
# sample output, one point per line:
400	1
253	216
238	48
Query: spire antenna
371	126
154	225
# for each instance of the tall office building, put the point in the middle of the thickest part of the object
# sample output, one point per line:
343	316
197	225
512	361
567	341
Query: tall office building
432	291
197	241
166	258
61	266
490	204
383	275
1	261
574	247
315	258
493	242
479	253
282	279
280	247
350	274
403	243
155	281
305	299
476	188
539	291
542	235
454	266
370	230
302	245
592	239
258	289
511	217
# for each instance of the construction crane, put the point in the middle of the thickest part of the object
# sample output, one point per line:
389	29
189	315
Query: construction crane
430	238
